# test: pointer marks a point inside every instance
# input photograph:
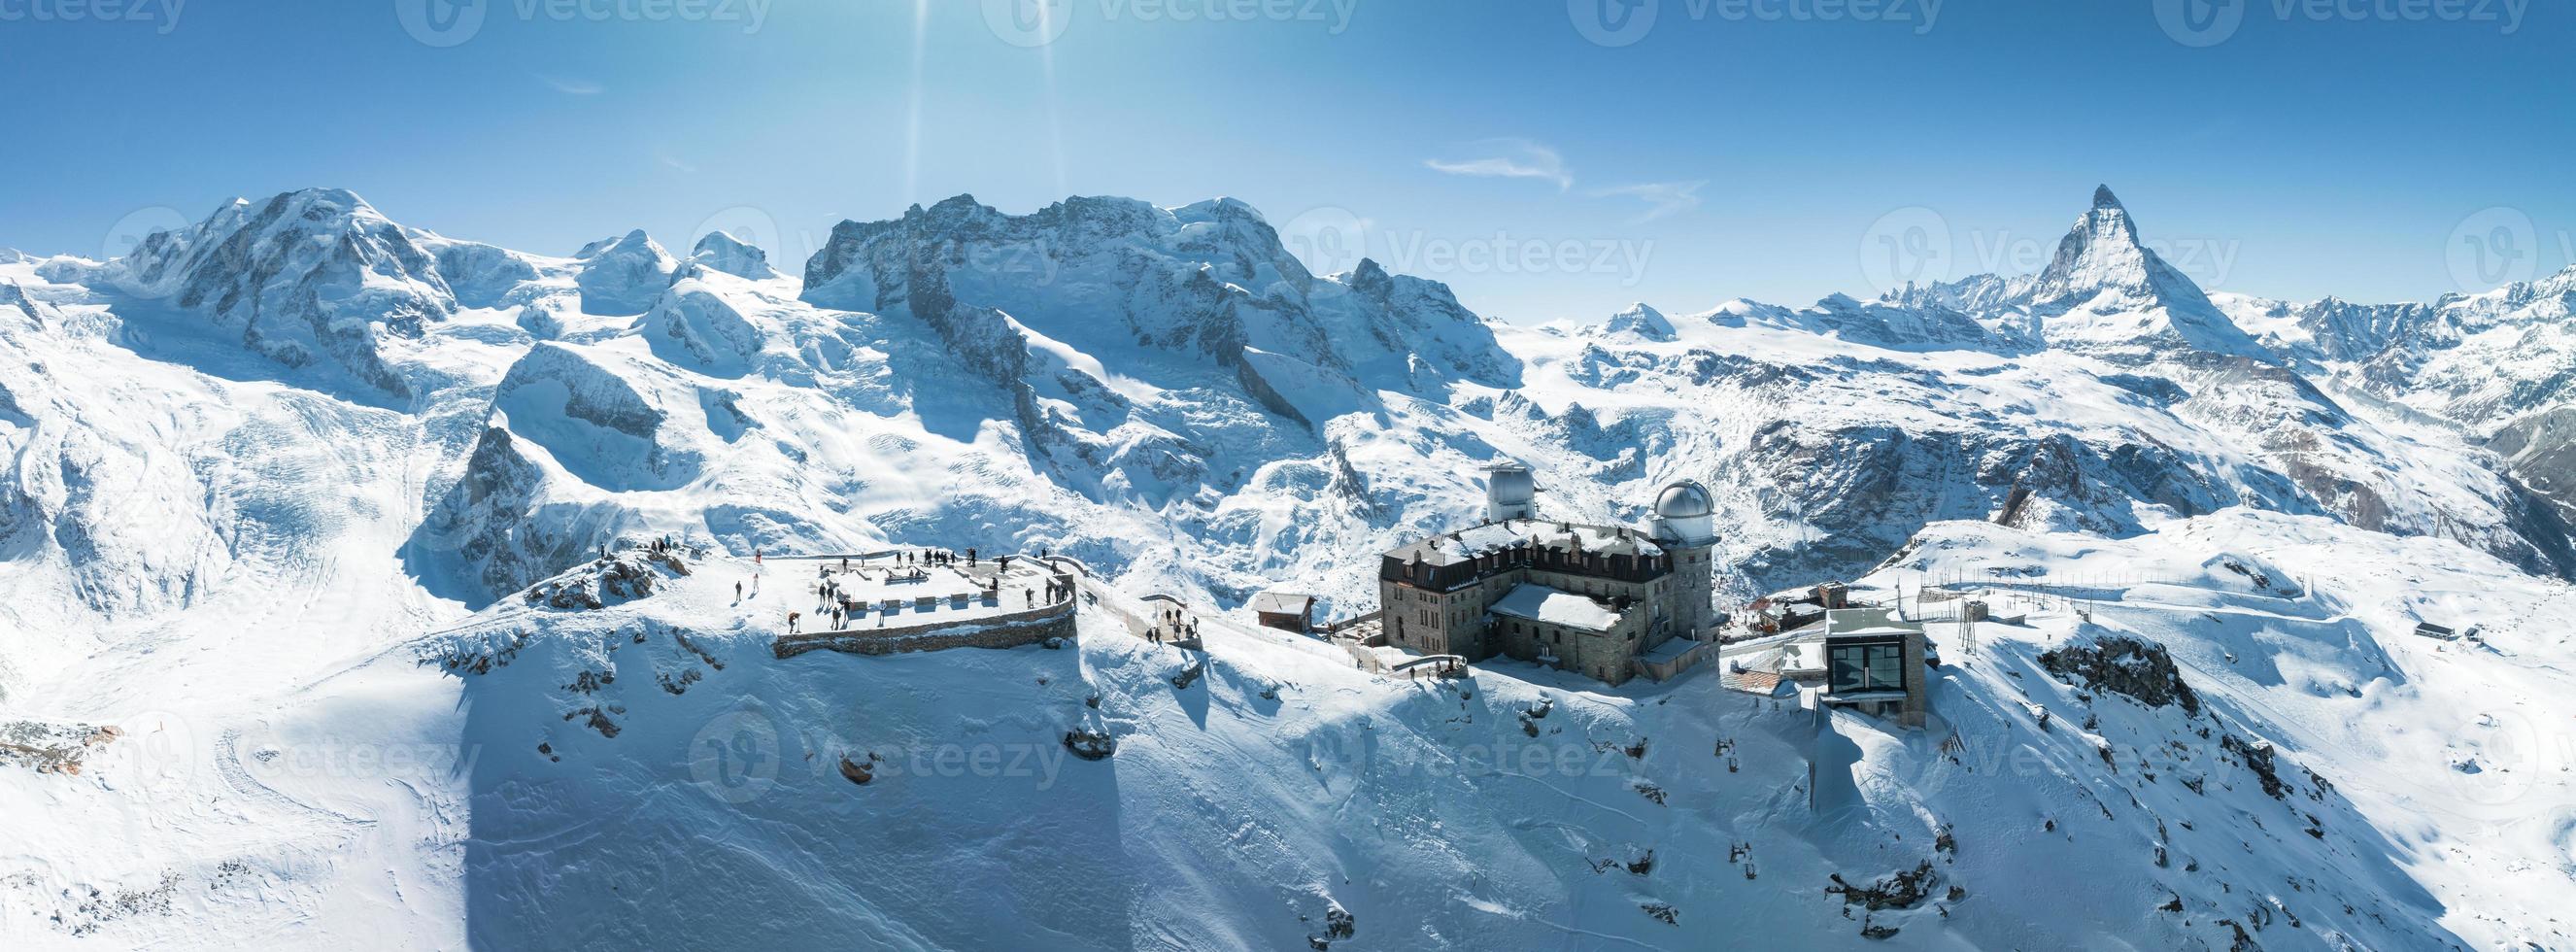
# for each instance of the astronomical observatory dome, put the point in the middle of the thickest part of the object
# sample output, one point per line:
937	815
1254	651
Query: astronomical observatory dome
1684	500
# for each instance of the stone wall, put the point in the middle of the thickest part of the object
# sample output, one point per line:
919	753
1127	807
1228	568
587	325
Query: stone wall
994	631
1672	667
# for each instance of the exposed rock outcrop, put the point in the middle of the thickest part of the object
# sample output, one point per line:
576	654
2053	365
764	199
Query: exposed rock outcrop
2123	665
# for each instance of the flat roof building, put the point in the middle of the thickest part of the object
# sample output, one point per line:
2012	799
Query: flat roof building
1874	662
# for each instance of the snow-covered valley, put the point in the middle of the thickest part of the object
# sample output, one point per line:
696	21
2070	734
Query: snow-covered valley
275	484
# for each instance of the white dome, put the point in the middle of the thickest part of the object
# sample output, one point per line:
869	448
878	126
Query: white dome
1684	500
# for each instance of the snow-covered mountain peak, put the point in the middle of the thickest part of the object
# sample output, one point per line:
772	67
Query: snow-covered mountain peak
721	251
2107	293
2102	251
304	277
632	242
1641	320
1209	280
624	275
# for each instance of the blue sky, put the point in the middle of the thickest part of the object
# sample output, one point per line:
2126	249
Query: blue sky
1548	159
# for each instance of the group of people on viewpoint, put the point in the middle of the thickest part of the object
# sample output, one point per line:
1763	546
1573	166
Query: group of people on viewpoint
839	607
1172	624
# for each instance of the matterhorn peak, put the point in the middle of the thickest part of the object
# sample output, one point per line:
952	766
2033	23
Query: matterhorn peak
2101	251
2106	289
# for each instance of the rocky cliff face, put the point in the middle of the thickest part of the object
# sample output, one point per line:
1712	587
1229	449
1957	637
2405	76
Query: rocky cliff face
1201	282
497	529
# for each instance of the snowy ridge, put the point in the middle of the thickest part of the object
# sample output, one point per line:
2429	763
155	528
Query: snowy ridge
723	252
258	471
2103	293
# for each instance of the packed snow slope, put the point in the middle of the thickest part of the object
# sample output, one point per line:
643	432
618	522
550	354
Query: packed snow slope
264	468
1261	788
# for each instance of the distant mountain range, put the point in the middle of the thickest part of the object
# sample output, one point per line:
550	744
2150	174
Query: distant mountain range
275	447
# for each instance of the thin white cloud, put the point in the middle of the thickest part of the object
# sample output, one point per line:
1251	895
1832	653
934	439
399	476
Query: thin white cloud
570	86
1661	198
673	163
1509	158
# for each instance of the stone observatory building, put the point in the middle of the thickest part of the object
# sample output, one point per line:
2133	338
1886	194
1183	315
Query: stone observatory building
1608	601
